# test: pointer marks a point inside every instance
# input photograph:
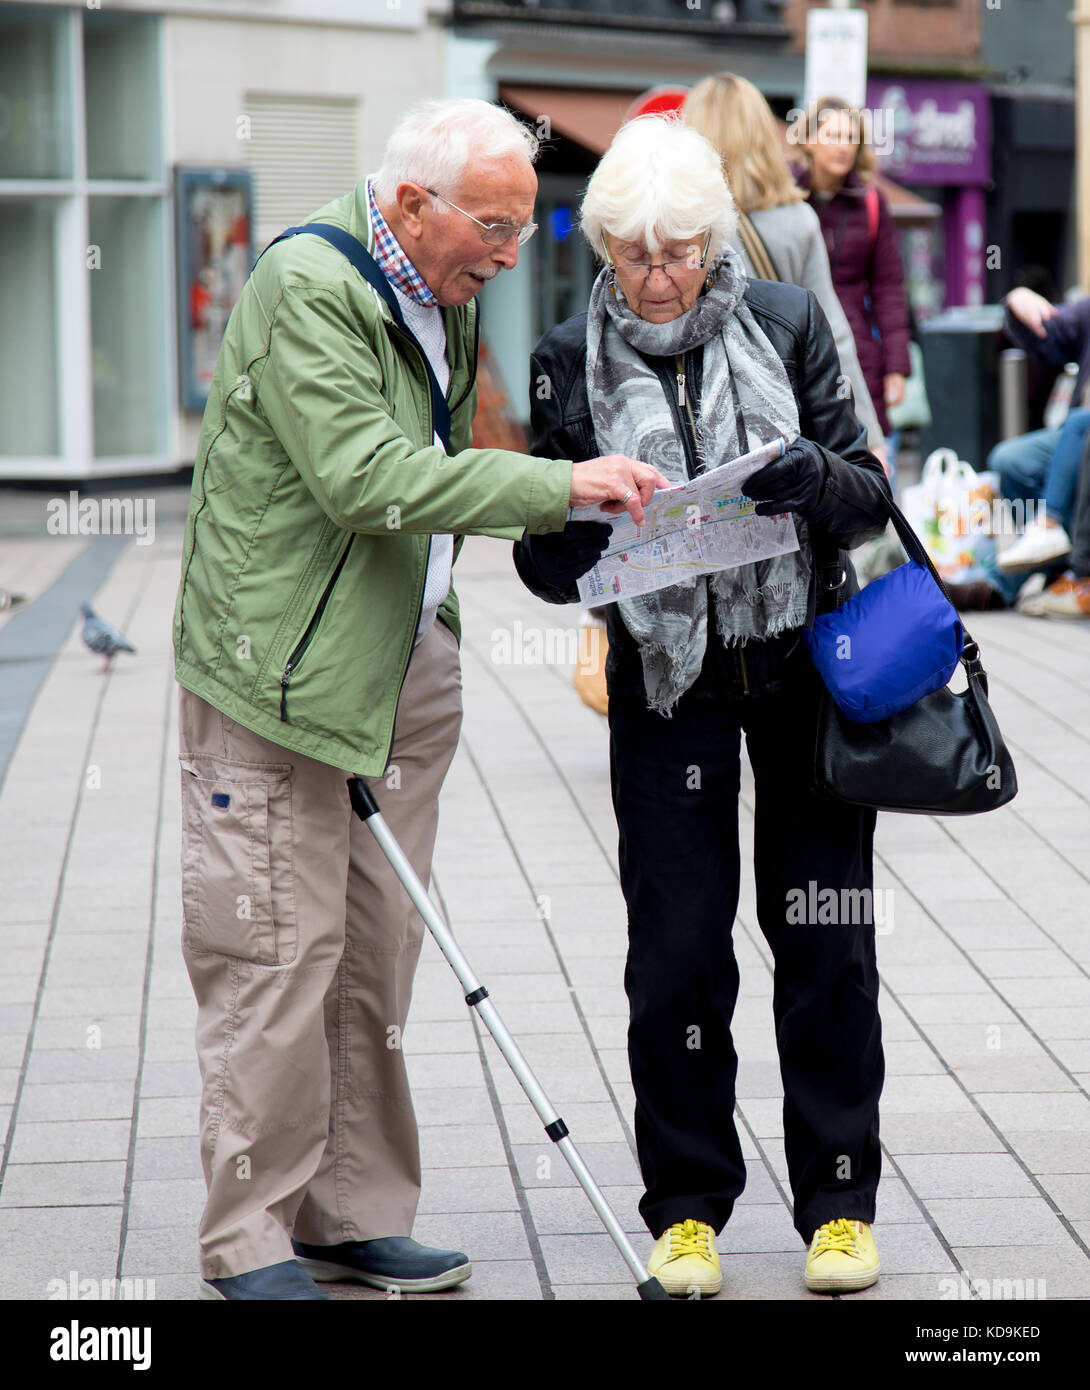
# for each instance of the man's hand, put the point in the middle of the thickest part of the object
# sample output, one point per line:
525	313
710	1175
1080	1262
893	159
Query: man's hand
605	481
1031	309
793	483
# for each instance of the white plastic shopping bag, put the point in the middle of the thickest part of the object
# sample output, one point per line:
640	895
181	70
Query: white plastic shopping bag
951	509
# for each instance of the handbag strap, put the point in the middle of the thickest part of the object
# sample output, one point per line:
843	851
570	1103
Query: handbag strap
764	267
355	251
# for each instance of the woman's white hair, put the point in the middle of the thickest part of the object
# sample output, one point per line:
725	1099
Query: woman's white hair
433	143
659	181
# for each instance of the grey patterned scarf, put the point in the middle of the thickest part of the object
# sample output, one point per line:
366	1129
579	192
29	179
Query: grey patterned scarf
632	416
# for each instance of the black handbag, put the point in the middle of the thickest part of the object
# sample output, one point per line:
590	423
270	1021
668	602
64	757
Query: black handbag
942	756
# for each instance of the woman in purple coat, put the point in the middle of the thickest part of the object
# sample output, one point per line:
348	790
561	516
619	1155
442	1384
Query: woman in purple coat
838	174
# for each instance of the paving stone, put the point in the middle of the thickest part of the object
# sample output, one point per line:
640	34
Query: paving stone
610	1164
168	1117
460	1146
587	1259
1045	1151
1070	1192
567	1210
437	1105
1057	1110
995	1220
158	1202
894	1203
914	1094
596	1122
466	1189
82	1064
911	1248
52	1242
1014	1074
926	1133
164	1250
758	1228
63	1184
169	1044
965	1175
1052	1271
1054	1023
167	1158
80	1100
107	1031
70	1141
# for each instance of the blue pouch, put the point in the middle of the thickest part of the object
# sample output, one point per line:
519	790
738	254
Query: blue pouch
894	642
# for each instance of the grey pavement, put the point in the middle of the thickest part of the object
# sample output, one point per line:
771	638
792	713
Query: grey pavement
985	971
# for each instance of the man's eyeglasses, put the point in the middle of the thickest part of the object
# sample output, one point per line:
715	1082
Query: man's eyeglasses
493	233
641	270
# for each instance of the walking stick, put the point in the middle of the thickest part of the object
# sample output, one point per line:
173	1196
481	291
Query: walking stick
366	807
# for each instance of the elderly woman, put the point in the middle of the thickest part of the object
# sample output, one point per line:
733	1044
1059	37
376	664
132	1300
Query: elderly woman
684	363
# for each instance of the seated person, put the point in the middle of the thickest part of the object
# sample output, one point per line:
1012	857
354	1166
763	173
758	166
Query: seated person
1043	464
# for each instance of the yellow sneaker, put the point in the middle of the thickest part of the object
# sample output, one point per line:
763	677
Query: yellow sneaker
843	1257
685	1260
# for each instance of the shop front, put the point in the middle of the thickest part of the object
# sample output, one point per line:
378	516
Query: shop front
933	138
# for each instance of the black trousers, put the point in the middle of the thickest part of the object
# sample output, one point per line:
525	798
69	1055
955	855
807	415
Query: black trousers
675	792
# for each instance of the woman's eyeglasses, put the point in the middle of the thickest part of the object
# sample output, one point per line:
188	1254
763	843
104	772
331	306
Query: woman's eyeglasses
633	273
493	233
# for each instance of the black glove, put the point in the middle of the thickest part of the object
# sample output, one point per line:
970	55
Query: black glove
562	557
793	483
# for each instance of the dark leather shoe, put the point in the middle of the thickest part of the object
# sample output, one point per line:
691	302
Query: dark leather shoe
975	597
391	1262
284	1282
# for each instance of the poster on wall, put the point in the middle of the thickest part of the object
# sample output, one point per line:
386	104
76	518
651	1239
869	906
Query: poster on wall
214	217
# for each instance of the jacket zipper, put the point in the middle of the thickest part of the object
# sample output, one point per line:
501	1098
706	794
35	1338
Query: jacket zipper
427	555
311	628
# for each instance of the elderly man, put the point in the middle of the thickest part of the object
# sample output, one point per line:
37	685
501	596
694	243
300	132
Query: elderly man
316	636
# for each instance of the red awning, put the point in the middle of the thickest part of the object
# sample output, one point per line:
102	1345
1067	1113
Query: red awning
590	119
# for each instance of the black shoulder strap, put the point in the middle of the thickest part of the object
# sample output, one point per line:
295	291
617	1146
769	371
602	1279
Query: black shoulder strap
350	247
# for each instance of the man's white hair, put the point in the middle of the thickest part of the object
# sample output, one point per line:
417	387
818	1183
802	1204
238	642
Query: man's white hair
433	143
659	181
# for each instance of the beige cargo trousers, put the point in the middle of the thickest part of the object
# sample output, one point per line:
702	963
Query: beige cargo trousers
301	946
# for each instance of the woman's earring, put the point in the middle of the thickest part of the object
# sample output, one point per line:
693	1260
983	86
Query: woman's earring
709	281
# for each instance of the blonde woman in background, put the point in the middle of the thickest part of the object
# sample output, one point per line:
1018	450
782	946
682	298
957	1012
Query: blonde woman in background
731	113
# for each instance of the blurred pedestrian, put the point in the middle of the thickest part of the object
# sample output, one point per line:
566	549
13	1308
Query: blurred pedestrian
775	221
684	357
838	170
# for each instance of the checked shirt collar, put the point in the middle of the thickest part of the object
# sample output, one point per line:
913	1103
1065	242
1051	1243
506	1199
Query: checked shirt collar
392	260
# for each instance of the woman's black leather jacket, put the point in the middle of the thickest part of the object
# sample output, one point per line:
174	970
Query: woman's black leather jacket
853	506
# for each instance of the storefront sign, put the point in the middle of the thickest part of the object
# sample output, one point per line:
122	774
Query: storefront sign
836	55
932	132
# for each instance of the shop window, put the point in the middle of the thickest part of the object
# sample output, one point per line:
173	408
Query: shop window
28	345
120	64
127	342
35	82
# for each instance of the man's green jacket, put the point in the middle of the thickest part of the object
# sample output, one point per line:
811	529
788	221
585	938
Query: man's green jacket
316	488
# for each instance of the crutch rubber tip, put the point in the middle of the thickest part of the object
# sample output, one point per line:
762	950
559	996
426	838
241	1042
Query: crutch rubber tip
652	1289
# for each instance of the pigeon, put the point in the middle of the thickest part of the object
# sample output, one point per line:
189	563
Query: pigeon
100	637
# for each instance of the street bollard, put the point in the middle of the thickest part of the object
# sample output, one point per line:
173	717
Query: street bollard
1012	393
